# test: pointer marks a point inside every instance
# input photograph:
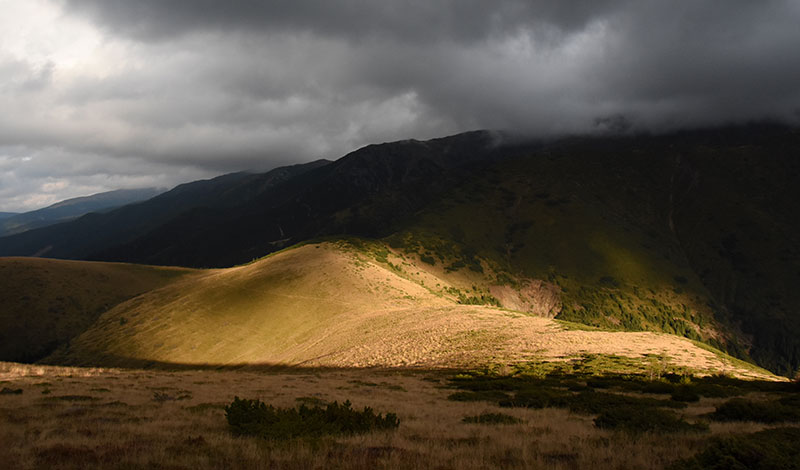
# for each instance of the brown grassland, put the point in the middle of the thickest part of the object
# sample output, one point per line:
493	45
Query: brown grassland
315	305
311	325
68	418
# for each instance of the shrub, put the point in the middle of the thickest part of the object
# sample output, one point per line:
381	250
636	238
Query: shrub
685	393
658	387
255	418
739	409
791	401
598	402
481	395
477	383
537	398
164	396
492	418
715	391
636	419
600	382
769	449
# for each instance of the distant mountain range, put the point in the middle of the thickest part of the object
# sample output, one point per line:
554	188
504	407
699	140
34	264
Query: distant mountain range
13	223
693	233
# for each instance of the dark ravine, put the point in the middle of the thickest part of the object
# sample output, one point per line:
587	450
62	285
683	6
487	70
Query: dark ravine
677	232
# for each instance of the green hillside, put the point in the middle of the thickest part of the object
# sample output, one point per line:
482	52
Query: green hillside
539	225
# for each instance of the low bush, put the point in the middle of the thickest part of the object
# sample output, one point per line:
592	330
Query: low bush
685	393
658	387
600	382
487	382
538	398
598	402
740	409
492	418
791	400
480	395
164	396
427	259
635	419
715	391
770	449
255	418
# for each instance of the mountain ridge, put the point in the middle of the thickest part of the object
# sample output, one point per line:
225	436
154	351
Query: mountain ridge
638	233
343	304
73	208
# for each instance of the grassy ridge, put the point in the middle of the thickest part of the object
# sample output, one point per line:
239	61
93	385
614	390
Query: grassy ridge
350	303
272	310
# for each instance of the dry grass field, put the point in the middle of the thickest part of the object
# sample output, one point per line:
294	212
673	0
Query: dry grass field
67	418
315	324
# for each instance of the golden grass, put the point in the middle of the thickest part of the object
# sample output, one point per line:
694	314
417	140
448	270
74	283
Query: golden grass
325	305
76	418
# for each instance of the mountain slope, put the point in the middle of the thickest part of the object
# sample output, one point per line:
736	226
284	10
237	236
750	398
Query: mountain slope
45	303
79	238
73	208
393	179
344	304
691	233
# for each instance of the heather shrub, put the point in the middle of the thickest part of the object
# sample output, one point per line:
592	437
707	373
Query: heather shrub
492	418
740	409
658	387
685	393
770	449
255	418
480	395
636	419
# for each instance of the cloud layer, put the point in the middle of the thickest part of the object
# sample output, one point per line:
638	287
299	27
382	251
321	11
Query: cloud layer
111	93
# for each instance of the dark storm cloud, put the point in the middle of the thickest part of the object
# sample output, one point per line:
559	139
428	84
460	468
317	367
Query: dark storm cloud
409	20
664	63
199	87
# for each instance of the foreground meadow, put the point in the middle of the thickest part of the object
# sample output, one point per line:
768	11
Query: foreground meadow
63	418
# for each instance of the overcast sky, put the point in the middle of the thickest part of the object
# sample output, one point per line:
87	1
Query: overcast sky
105	94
